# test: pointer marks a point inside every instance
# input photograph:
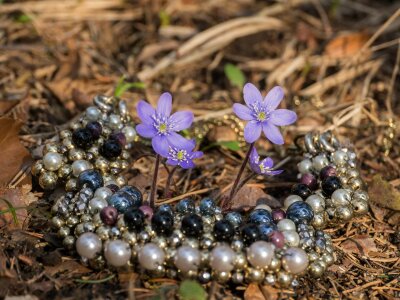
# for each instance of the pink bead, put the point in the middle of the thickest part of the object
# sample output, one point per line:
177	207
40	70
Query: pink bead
277	238
147	210
327	172
309	180
278	214
109	215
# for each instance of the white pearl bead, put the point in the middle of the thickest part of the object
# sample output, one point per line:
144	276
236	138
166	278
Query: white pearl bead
305	166
117	253
88	245
97	204
260	254
92	113
151	256
263	206
222	258
290	200
292	238
103	193
295	260
341	197
130	133
319	162
340	157
286	225
114	121
79	166
316	202
187	259
52	161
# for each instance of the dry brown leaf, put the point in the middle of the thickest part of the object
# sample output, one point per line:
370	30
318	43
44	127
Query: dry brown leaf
14	156
253	292
383	194
19	198
346	45
360	244
247	197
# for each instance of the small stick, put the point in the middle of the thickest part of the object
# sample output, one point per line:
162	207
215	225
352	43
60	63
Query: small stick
169	179
154	183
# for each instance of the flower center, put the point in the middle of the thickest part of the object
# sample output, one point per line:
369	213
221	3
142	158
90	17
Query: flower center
162	128
177	155
181	154
261	116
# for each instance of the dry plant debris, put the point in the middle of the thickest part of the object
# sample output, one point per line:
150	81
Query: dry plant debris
338	61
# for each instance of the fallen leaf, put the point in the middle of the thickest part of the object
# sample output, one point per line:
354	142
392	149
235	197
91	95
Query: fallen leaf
383	194
247	196
361	244
70	266
346	45
253	292
14	156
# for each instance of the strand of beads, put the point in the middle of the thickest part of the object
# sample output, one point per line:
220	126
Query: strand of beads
329	181
97	141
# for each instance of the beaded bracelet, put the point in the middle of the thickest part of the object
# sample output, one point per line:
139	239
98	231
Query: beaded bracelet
108	224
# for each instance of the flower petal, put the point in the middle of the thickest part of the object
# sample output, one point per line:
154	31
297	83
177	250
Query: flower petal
272	133
251	94
145	112
181	120
243	112
196	154
274	172
164	105
179	142
267	163
160	145
252	131
187	164
172	162
254	157
274	98
282	117
146	131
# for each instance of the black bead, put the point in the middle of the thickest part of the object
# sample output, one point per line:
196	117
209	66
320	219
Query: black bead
95	129
165	208
250	234
301	190
192	225
265	230
82	138
119	137
260	216
136	195
330	184
90	178
111	149
224	231
134	219
162	223
300	212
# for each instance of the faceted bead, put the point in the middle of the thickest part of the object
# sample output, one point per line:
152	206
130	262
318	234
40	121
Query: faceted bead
111	149
82	138
277	238
301	190
250	234
235	218
134	219
207	206
330	184
265	231
260	216
109	215
192	225
224	231
327	172
95	129
300	212
185	206
91	178
309	180
136	195
278	214
119	137
162	223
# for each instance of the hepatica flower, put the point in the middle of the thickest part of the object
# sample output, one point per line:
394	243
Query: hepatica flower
182	154
262	167
263	114
159	125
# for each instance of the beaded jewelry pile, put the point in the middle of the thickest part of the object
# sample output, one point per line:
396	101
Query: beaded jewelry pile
109	225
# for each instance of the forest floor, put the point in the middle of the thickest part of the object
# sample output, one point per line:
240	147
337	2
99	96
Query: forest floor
337	61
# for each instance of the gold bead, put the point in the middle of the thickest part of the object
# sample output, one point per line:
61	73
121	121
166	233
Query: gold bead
97	220
48	180
65	133
275	264
64	231
103	232
97	263
72	220
50	147
125	155
355	183
76	154
67	142
115	164
121	223
254	275
64	171
79	229
37	168
222	277
71	185
284	279
328	258
94	150
124	164
360	207
121	181
129	237
353	173
69	242
57	221
240	261
312	256
344	213
319	220
102	164
316	270
86	218
106	131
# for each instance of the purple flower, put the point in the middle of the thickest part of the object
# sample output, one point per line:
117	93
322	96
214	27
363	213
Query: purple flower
263	167
263	115
181	154
160	126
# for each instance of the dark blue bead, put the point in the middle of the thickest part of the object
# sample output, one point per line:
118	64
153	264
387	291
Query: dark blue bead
166	208
330	184
121	201
111	149
224	231
91	179
82	138
185	206
234	218
260	216
95	128
250	234
301	190
265	230
136	195
300	212
207	207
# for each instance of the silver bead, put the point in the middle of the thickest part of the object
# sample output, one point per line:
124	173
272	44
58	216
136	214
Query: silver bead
204	277
284	279
223	276
290	200
114	121
339	157
316	202
96	205
72	220
68	242
295	260
270	279
92	113
222	259
305	166
237	277
151	256
286	225
260	254
344	213
254	275
275	264
57	221
328	258
130	133
117	253
237	245
52	161
316	270
360	207
103	193
187	259
360	195
319	162
240	261
341	197
88	245
292	238
144	237
64	231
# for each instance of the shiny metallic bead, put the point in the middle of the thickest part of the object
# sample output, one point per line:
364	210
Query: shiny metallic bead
206	243
50	147
48	180
130	133
353	173
355	183
102	164
290	200
270	279
316	270
72	220
235	218
240	261
79	229
344	213
222	277
312	256
125	155
319	162
322	263
144	237
254	275
316	202
65	134
340	157
275	264
64	231
67	142
129	237
114	233
57	222
341	197
71	185
124	164
284	279
329	259
69	242
237	277
305	166
360	195
37	168
174	240
204	277
103	232
319	220
160	242
64	171
76	154
194	243
97	220
360	207
92	113
114	121
120	180
237	245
